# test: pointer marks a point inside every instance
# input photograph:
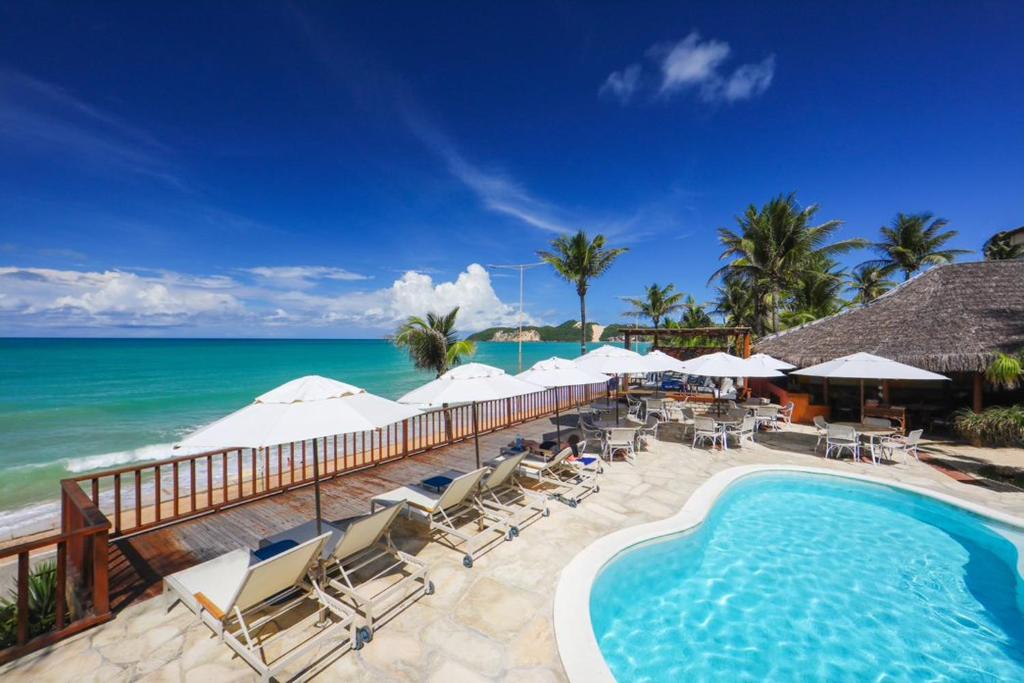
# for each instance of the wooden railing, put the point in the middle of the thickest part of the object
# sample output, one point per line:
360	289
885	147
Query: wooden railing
81	575
103	506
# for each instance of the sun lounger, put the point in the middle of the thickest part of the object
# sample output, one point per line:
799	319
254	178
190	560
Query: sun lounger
571	482
445	512
237	597
501	491
365	544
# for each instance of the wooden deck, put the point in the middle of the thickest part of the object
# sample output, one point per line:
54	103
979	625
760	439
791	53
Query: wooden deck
138	563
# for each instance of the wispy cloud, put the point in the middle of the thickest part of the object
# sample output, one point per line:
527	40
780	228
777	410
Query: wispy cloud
40	117
303	277
692	65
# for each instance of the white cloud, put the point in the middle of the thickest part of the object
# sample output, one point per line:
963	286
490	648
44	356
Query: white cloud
302	277
694	64
38	298
622	84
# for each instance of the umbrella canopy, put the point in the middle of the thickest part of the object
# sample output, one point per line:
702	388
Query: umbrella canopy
614	360
560	372
469	383
767	361
305	408
662	362
867	366
721	364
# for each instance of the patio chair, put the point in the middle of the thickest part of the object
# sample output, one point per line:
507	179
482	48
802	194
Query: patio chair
821	427
908	445
839	438
446	512
501	491
743	431
569	482
589	430
635	406
619	440
786	414
236	597
767	416
365	542
878	421
706	429
649	432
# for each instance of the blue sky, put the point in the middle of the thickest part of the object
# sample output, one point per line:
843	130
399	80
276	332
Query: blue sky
294	169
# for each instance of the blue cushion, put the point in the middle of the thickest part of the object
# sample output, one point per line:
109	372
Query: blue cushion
268	551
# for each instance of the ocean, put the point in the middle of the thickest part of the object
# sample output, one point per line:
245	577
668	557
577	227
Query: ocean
69	406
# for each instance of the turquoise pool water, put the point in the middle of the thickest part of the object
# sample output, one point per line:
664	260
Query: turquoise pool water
814	578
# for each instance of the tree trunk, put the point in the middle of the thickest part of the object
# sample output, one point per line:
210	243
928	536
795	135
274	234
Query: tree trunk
583	322
775	310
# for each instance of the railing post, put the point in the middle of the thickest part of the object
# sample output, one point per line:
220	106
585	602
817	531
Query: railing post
62	580
100	573
22	598
405	437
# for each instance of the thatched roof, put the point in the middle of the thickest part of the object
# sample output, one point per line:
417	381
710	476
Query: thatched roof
952	318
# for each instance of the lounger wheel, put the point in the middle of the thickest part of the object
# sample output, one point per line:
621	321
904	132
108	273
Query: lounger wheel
573	502
429	590
364	634
467	561
597	489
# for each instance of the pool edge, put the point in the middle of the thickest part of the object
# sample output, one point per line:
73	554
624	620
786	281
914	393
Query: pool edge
574	632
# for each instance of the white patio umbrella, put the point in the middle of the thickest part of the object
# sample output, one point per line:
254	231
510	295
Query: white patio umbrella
864	366
469	383
309	407
559	372
765	360
662	362
722	364
614	360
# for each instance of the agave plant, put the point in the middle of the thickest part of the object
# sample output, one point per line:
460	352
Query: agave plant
996	426
42	605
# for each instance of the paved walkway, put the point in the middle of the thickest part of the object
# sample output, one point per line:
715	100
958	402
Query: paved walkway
490	623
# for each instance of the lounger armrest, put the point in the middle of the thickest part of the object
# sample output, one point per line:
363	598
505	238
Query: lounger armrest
208	605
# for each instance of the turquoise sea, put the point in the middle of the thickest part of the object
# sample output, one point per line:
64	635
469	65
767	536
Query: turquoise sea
75	405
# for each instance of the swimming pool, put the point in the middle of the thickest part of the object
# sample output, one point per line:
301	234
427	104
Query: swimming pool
807	577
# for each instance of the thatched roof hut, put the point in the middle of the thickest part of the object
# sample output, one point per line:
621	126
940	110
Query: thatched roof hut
952	318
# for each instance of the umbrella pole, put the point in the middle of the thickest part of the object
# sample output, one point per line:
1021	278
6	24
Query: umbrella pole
558	425
862	400
316	486
476	437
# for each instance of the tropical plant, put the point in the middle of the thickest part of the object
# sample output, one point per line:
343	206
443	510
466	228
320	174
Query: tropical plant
1005	371
996	426
868	282
1000	248
815	294
694	315
734	303
773	249
42	605
578	259
657	303
913	242
433	343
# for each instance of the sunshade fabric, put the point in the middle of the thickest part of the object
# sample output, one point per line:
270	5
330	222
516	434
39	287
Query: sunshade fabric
767	361
721	364
867	366
662	362
614	360
468	383
560	372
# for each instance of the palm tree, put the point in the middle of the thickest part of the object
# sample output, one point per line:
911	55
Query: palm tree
658	303
433	343
694	315
773	249
735	303
578	259
914	241
816	293
999	248
868	282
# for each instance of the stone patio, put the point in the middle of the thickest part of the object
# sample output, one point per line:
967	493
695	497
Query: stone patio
492	622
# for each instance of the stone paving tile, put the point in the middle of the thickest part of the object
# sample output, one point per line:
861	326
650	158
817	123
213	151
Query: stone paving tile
489	623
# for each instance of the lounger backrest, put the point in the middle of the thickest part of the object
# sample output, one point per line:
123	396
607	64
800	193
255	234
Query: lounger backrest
461	489
500	475
562	455
364	532
285	570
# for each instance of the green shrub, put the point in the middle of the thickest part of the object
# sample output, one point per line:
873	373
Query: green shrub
995	426
42	605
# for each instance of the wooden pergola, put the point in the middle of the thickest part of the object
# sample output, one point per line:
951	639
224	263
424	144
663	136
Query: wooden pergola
736	340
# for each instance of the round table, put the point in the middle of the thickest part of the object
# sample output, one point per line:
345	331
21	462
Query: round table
872	432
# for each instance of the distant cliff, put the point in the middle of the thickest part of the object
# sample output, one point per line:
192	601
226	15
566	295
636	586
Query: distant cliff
569	331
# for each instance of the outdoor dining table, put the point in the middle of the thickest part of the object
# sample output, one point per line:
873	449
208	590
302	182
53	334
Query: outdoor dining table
871	432
723	423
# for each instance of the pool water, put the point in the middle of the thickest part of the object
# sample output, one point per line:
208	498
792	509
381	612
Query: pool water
797	577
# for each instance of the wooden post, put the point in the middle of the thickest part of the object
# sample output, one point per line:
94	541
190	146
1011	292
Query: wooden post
885	392
746	345
979	390
627	339
100	584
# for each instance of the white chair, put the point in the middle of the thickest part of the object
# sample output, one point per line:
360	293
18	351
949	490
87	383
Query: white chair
821	426
908	445
839	438
743	431
706	429
619	441
633	413
649	432
767	416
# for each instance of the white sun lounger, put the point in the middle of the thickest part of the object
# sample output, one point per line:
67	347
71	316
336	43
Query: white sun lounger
236	598
501	491
570	481
445	512
364	543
